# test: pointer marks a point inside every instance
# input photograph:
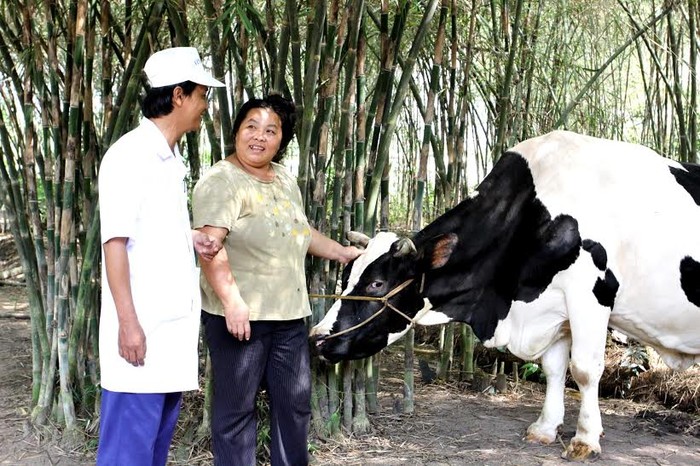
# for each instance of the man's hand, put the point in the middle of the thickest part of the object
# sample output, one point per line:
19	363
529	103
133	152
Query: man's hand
132	342
207	246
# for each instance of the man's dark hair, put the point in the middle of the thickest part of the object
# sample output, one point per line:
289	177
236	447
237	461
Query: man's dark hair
285	110
159	100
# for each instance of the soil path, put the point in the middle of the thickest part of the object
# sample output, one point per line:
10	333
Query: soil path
19	444
449	427
453	427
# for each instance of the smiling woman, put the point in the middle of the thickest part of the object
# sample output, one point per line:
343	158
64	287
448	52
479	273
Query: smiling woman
254	294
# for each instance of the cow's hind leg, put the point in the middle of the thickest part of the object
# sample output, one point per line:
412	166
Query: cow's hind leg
554	364
587	363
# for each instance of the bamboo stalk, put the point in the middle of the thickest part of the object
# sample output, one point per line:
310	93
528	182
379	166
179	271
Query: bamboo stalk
467	353
389	126
360	421
347	415
408	379
446	352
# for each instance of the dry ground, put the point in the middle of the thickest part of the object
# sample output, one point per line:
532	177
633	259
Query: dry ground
450	426
20	444
454	427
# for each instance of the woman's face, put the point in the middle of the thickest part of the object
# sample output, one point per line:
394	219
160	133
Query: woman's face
259	136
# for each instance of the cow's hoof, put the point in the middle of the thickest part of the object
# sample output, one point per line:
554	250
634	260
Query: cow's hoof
579	451
534	435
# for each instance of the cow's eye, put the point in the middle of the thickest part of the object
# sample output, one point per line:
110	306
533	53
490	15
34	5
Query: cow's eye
376	285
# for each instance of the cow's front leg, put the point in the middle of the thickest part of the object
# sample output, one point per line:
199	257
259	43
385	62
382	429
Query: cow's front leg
587	364
554	364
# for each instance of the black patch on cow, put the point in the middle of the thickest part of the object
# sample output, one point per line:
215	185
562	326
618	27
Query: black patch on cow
690	179
605	290
345	277
508	248
598	253
555	247
690	279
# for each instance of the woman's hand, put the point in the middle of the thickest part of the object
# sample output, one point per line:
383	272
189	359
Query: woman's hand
323	246
218	273
349	253
237	319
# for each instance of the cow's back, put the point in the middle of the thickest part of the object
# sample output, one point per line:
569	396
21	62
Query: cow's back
625	198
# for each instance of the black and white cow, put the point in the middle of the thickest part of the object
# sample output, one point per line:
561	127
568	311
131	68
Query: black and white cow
567	235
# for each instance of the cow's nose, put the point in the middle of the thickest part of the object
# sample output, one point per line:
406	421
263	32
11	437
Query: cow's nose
315	344
317	338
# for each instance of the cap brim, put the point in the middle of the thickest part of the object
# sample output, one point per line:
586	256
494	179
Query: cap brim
206	80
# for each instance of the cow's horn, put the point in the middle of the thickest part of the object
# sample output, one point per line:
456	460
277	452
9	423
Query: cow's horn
357	238
404	247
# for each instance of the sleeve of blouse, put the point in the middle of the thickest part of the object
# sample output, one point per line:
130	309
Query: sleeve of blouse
215	202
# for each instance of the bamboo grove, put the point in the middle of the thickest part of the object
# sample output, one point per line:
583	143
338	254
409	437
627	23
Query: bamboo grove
404	107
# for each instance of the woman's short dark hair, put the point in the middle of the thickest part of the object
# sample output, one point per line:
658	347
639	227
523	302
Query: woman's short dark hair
285	110
159	100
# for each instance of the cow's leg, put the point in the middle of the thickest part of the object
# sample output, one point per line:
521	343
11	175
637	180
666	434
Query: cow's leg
588	334
554	364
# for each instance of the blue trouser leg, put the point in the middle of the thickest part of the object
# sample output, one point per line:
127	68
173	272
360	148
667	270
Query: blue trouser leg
171	410
136	428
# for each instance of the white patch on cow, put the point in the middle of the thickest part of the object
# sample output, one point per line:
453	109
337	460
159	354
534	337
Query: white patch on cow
376	247
427	316
393	337
592	180
433	318
324	327
530	328
624	197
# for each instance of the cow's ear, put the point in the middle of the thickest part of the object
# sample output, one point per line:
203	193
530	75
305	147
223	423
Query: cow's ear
440	249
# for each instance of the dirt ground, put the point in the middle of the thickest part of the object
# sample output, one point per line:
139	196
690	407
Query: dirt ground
455	427
451	426
20	444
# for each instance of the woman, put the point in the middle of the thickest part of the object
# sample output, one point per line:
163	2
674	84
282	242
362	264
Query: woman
254	291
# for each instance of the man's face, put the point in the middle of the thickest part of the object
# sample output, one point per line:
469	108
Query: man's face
193	107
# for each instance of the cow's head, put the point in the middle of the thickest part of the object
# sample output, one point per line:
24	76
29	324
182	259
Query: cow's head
390	267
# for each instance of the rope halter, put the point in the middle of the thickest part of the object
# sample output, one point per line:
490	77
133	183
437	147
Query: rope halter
384	299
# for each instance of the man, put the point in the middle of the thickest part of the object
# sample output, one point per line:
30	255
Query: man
149	325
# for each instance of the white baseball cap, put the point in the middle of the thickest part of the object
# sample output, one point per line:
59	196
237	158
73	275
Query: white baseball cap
177	65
